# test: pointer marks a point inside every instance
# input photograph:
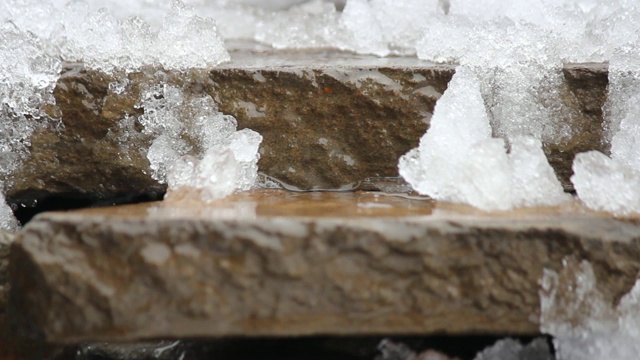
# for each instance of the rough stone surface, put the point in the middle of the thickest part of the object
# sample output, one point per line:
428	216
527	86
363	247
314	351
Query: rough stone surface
272	263
5	243
328	119
585	91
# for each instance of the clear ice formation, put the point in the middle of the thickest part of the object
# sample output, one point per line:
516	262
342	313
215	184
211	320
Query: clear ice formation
27	77
510	349
581	318
195	146
458	160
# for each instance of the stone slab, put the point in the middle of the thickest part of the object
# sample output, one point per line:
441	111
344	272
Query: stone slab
6	238
274	263
329	120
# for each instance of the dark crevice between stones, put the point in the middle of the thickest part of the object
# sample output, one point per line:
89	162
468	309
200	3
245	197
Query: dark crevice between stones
28	205
307	348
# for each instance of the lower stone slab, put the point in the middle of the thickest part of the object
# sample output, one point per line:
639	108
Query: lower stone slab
275	263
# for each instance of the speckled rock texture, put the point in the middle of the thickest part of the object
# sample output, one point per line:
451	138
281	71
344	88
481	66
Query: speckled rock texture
329	120
272	263
6	239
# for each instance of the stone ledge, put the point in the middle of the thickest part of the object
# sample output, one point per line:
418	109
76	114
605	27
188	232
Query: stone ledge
328	119
271	263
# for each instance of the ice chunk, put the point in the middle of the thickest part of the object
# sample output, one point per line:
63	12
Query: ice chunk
592	29
310	25
359	19
214	177
510	349
7	220
187	40
485	180
244	145
605	184
380	27
162	153
533	180
195	146
613	184
623	110
582	320
459	121
457	160
390	350
519	68
76	31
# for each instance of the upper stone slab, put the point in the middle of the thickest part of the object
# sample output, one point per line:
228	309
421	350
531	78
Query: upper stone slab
329	120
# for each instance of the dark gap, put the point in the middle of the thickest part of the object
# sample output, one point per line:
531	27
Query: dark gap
25	208
306	348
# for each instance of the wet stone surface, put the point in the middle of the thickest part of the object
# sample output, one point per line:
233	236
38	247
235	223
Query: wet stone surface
275	263
328	119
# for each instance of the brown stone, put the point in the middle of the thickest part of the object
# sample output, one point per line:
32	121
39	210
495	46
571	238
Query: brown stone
329	120
273	263
584	92
5	243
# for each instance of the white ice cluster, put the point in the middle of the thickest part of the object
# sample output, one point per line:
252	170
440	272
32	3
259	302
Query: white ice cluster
517	50
380	27
510	349
584	324
75	31
195	146
459	161
612	184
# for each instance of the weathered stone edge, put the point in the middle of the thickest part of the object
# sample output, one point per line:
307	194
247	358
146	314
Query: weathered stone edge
495	264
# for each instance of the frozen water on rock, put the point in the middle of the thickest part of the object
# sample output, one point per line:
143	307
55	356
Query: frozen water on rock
510	349
27	77
623	110
612	184
533	181
459	122
391	27
380	27
195	146
103	41
581	318
77	31
586	30
606	184
214	177
309	25
458	160
519	72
